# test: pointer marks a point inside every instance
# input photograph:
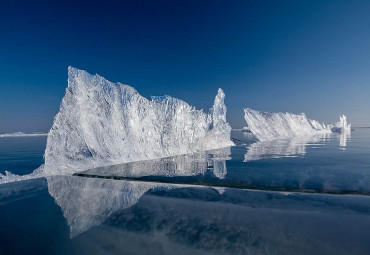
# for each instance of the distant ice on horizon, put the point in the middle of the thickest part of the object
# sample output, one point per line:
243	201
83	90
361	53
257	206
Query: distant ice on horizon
22	134
268	126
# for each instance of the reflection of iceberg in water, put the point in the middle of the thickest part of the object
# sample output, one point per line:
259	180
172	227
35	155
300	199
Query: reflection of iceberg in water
343	138
147	218
294	147
87	202
182	165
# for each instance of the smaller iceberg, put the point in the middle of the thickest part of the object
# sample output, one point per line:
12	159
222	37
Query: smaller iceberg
342	126
268	126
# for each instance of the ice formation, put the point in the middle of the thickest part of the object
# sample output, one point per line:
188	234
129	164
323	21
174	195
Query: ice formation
267	126
342	126
103	123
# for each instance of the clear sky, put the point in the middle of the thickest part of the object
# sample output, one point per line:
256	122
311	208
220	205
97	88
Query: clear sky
297	56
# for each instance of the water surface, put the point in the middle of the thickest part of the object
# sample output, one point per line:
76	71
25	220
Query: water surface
299	196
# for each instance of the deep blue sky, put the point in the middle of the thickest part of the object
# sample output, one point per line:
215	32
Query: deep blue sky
296	56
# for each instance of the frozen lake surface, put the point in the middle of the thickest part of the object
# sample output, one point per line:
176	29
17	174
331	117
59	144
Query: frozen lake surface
297	196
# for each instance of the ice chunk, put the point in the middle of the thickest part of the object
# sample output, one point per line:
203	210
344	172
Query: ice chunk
10	177
103	123
342	126
267	126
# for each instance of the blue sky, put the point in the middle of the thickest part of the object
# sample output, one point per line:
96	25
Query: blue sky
296	56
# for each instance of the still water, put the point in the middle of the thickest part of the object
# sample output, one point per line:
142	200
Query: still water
298	196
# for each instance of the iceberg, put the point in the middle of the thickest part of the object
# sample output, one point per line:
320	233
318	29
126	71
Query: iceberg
267	126
342	126
103	123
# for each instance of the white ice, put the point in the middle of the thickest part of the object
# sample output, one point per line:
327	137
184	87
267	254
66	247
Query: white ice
103	123
268	126
342	126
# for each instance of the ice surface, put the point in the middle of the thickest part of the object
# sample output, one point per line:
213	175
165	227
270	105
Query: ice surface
267	126
103	123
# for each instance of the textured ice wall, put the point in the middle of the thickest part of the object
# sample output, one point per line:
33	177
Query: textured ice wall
269	126
102	123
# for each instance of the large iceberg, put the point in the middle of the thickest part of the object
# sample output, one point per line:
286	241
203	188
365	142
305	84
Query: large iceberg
103	123
267	126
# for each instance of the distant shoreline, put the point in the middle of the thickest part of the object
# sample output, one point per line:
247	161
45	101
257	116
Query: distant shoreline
21	134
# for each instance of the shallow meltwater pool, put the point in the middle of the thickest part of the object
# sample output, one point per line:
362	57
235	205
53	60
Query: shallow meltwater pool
297	196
